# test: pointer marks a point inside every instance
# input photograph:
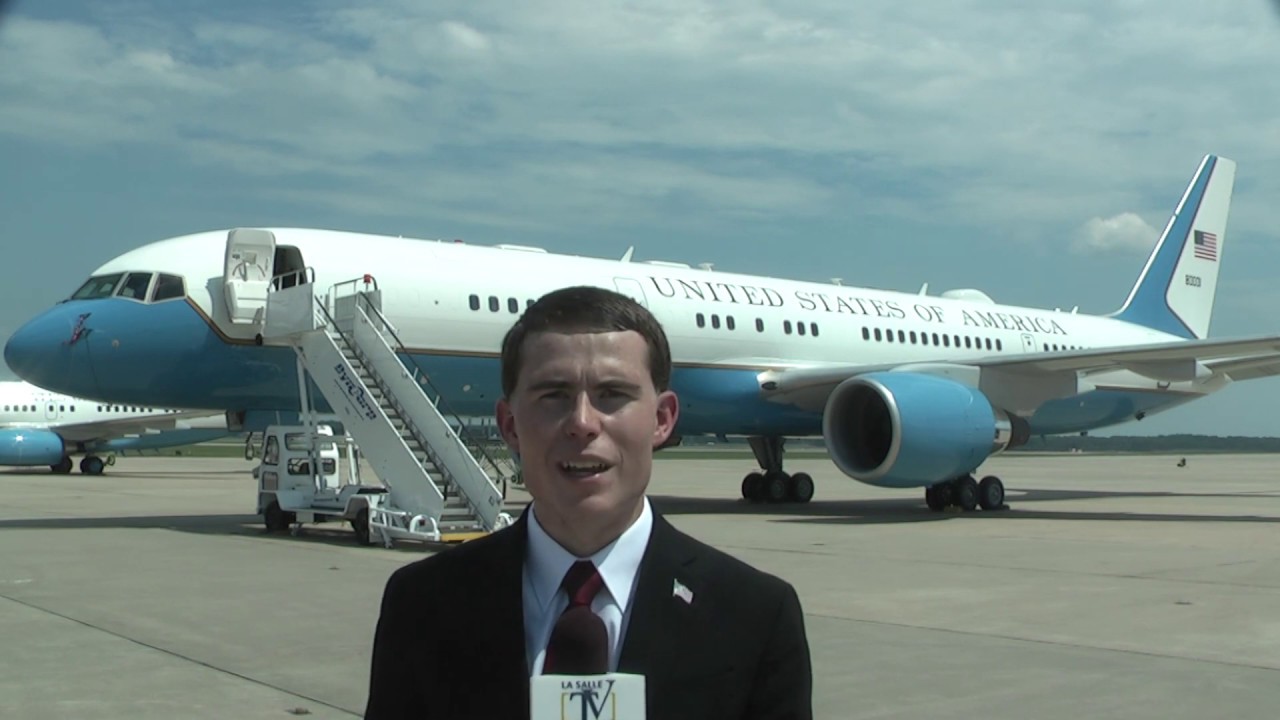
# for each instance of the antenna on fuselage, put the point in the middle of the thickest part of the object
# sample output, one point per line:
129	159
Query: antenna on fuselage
837	281
924	289
626	256
706	266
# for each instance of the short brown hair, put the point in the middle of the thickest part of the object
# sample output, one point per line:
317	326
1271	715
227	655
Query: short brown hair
586	309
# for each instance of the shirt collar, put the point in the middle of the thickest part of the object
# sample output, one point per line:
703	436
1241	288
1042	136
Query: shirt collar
618	562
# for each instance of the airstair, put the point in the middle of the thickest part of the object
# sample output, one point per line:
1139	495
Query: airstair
440	483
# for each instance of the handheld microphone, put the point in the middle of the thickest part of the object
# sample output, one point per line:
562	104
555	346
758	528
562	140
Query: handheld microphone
579	645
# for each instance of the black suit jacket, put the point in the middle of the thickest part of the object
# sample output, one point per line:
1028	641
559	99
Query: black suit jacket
450	639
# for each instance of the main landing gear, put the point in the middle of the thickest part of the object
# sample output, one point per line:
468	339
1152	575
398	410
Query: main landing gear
967	494
92	465
773	485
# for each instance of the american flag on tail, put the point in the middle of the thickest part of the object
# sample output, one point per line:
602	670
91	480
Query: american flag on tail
1206	244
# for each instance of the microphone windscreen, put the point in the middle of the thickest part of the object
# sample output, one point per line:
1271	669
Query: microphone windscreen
579	644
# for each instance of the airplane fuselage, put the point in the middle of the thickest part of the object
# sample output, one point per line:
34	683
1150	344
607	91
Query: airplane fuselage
451	304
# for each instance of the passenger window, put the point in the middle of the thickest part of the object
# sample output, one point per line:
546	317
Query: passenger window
728	321
878	335
946	341
813	329
888	335
715	322
135	286
999	344
168	287
912	336
866	334
759	325
513	306
702	321
493	304
474	302
902	336
786	326
800	328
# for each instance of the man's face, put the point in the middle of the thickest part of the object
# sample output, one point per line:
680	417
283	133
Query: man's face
584	418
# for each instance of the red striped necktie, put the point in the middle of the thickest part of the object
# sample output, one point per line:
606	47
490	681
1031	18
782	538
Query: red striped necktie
579	642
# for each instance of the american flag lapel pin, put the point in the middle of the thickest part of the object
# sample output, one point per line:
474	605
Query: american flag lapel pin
679	590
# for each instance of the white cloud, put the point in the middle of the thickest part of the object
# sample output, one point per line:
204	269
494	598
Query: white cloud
1124	233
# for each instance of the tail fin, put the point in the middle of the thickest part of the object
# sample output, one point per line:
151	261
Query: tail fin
1175	291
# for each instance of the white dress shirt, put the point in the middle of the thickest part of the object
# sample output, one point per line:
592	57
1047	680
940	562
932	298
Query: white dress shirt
544	568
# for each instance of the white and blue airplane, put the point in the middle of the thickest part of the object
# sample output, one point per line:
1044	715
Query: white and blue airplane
39	427
907	390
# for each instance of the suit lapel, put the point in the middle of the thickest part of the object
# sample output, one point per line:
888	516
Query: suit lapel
505	676
662	622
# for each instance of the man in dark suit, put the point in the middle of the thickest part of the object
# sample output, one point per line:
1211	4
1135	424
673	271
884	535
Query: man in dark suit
585	375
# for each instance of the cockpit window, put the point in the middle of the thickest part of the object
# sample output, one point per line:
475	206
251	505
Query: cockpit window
135	286
167	288
98	287
132	285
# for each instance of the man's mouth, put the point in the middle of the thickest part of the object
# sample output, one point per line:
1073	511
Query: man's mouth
584	469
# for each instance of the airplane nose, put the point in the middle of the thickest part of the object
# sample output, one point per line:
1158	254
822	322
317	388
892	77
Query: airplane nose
51	351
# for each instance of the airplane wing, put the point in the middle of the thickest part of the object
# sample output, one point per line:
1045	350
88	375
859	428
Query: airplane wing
1247	368
808	387
123	427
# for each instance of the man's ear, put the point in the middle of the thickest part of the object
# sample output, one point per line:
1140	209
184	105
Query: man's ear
668	413
507	425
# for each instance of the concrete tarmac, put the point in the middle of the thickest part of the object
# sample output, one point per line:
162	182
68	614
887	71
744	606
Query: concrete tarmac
1117	586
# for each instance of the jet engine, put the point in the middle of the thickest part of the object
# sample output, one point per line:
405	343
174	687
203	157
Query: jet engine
20	446
904	429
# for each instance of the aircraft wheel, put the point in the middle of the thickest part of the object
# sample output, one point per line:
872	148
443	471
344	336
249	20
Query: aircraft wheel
275	519
775	487
62	467
753	487
92	465
966	493
937	497
801	487
991	493
360	524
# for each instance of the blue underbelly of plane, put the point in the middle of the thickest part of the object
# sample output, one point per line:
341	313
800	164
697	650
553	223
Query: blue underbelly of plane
168	355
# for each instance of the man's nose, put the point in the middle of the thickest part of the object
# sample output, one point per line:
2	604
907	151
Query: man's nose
584	421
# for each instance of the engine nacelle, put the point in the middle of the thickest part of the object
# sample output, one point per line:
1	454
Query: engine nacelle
903	429
21	446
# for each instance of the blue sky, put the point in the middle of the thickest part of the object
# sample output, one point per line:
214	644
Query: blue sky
1031	152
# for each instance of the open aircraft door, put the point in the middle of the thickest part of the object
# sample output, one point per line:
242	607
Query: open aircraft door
632	289
247	274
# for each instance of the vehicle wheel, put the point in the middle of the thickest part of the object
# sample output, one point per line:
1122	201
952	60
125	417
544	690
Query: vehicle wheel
937	497
360	524
62	467
966	491
275	519
991	493
775	487
802	487
752	487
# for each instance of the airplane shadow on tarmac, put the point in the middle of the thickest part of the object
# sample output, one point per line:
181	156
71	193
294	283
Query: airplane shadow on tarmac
1023	505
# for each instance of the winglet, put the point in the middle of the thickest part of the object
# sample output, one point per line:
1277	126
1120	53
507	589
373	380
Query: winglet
1175	291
